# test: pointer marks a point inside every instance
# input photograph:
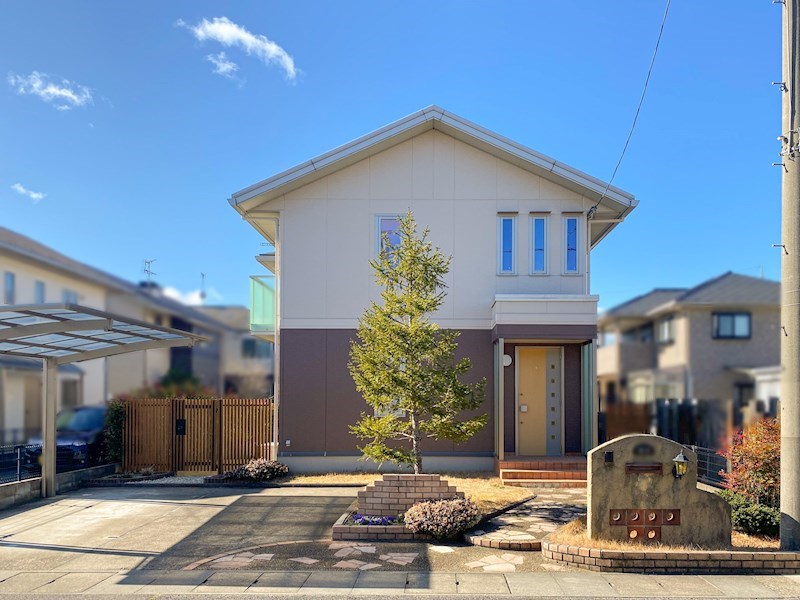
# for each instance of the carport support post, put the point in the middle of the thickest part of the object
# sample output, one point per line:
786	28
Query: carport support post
49	427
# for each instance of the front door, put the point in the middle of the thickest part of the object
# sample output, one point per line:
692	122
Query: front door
538	401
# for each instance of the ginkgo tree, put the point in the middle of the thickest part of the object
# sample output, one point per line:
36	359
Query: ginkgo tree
404	364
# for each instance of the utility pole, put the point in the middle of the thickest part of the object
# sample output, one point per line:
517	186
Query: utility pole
790	282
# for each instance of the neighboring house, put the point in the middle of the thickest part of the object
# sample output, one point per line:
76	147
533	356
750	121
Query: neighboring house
33	273
515	223
719	340
246	360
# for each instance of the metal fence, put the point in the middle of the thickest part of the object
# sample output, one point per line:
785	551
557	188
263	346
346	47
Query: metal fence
709	465
23	461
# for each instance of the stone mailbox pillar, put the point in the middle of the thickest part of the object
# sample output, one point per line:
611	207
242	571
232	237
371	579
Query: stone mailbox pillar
633	494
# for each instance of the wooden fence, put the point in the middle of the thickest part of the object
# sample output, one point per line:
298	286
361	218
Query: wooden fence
197	434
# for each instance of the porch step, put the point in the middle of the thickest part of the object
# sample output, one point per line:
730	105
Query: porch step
560	463
545	483
542	474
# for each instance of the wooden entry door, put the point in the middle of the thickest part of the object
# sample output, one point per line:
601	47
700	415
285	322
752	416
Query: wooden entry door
539	423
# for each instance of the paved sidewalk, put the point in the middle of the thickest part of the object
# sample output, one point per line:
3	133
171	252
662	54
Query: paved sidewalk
523	527
382	584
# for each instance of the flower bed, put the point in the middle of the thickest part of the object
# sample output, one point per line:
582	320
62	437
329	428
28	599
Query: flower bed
347	528
123	478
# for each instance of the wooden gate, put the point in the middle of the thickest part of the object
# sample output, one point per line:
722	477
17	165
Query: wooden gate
210	435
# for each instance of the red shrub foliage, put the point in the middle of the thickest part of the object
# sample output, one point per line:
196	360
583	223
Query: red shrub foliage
755	457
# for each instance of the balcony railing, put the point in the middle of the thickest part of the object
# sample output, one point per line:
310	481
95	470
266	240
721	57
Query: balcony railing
263	305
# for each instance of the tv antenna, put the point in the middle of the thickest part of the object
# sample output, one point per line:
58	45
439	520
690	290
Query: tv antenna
148	268
202	287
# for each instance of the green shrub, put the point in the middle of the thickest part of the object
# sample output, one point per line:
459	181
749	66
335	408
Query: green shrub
735	500
259	469
757	519
113	431
442	519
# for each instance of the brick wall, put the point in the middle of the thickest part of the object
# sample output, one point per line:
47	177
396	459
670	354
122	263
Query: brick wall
673	562
397	493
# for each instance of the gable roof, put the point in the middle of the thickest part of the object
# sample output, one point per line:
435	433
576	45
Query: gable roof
616	201
643	304
733	289
27	248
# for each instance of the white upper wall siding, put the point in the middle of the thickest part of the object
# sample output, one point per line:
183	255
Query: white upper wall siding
328	231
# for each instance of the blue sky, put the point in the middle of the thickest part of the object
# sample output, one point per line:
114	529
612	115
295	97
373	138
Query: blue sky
138	162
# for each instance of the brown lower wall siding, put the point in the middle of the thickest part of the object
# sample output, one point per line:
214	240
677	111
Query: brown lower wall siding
319	400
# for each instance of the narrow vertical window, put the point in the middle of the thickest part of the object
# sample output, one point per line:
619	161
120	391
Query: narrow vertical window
388	228
571	245
9	288
538	245
506	238
38	292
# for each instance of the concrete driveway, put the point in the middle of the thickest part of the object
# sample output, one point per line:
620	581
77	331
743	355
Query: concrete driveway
160	528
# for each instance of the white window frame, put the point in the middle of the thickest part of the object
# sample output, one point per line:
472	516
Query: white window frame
546	218
578	244
9	288
378	236
38	286
500	218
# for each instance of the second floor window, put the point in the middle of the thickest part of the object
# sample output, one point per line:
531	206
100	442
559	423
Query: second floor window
730	326
70	297
255	348
9	288
666	330
506	242
38	292
571	245
539	245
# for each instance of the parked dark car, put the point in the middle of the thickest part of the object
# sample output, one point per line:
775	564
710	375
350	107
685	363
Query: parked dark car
79	438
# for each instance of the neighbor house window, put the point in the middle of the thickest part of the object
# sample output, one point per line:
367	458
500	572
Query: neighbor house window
506	242
571	245
666	330
730	326
388	228
255	348
70	297
539	245
38	292
9	288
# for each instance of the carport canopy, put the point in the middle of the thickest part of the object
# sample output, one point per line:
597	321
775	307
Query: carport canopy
65	333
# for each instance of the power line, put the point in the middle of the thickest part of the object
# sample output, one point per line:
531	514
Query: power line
639	107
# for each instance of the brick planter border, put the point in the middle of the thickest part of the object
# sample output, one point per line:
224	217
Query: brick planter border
378	533
699	562
481	540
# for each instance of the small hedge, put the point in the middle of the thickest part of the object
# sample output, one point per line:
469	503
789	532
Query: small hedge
259	469
752	518
442	519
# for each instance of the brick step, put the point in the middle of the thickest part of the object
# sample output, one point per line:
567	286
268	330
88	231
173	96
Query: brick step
541	465
545	483
506	474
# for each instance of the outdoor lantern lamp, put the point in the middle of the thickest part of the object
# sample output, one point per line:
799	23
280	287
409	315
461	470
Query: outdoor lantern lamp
681	465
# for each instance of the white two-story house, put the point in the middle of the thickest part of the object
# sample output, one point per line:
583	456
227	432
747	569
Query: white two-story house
520	227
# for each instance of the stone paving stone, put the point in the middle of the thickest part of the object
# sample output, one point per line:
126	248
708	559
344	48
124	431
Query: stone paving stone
369	566
533	584
228	583
782	585
584	584
431	583
73	583
279	583
263	556
305	560
176	582
479	584
631	584
739	587
441	549
500	568
27	582
377	583
687	585
349	564
330	582
124	583
7	574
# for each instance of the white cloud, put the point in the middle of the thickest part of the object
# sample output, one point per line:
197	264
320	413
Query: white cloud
193	297
228	33
63	94
21	189
223	66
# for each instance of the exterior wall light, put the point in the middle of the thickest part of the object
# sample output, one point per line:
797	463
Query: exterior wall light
681	465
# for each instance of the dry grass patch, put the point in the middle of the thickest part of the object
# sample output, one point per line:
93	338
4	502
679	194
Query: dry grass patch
485	489
574	534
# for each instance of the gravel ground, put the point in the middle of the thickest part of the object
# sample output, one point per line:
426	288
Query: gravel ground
170	480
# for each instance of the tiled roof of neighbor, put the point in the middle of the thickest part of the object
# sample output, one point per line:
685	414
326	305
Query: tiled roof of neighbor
731	288
641	305
19	244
